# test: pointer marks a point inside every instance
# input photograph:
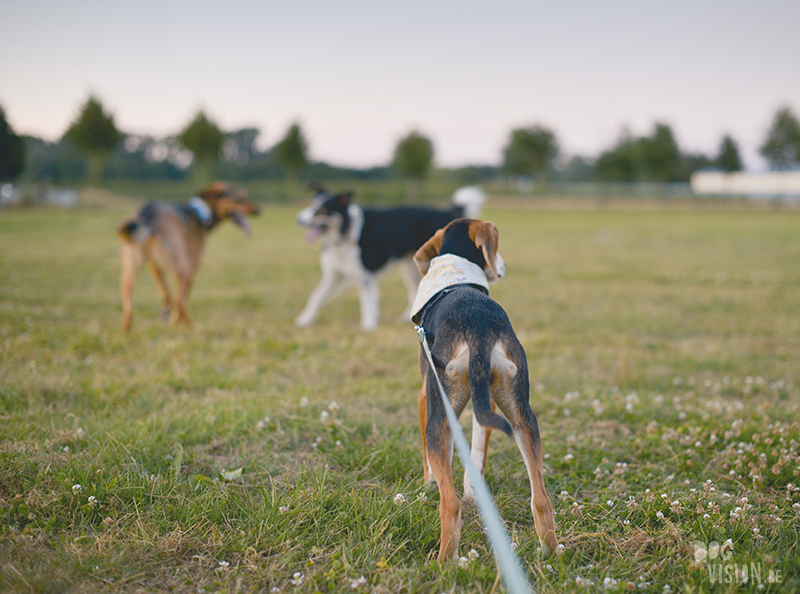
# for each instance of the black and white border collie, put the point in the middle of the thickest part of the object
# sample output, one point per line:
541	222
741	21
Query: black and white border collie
360	243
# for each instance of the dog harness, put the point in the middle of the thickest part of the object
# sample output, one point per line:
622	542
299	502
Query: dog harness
445	272
201	209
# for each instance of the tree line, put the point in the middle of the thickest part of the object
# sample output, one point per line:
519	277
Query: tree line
93	149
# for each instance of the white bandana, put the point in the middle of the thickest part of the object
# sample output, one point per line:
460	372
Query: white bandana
446	271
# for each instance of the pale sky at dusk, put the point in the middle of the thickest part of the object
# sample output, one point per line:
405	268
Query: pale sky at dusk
357	75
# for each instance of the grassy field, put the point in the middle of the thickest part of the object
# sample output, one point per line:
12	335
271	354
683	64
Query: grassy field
248	455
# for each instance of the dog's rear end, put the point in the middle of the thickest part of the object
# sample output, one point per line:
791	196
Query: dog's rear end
478	356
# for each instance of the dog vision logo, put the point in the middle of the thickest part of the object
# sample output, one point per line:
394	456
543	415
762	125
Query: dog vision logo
723	569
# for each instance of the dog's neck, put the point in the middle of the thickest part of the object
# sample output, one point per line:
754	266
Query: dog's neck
445	271
202	210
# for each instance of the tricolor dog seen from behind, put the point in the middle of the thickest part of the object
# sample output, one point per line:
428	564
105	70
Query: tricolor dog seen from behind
477	356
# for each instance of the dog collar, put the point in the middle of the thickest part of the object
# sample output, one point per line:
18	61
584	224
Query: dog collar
446	271
201	209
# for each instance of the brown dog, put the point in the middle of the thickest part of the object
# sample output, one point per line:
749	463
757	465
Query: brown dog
170	238
477	355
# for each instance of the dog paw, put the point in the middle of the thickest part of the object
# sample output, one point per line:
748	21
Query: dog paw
302	321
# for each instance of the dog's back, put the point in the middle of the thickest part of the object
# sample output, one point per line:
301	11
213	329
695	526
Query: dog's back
393	233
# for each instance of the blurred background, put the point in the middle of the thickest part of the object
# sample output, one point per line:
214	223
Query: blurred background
405	102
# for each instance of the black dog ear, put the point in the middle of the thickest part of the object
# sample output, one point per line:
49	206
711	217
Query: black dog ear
344	199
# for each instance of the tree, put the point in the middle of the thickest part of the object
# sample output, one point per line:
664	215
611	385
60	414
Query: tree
204	139
619	164
94	134
659	156
728	159
413	158
291	151
12	151
530	151
782	145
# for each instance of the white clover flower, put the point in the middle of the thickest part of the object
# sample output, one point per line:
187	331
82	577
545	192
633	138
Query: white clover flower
76	489
333	407
324	416
65	449
610	503
297	579
399	498
263	422
700	552
609	582
356	584
581	582
473	554
560	550
283	509
421	497
569	458
304	401
224	564
80	433
660	515
275	590
463	562
92	501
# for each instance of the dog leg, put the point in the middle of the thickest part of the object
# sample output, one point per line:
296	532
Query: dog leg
131	263
478	454
440	454
163	290
526	435
370	302
422	403
411	277
327	288
184	287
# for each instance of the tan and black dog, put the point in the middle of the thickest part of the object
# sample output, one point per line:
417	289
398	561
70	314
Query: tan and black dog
477	355
170	238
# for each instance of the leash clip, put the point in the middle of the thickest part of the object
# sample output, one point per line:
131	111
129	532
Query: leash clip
420	333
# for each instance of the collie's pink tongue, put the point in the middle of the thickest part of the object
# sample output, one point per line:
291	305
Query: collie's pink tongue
313	233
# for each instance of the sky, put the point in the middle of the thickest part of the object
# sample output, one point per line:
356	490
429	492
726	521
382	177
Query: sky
358	75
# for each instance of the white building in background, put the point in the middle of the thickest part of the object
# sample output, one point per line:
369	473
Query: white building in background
772	184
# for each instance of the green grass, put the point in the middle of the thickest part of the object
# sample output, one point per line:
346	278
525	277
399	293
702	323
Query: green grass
663	350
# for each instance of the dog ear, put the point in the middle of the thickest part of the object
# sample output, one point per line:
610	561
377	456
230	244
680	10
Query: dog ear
344	198
428	251
215	191
486	236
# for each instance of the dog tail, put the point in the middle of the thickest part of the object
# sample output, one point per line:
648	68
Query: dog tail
469	200
133	231
480	370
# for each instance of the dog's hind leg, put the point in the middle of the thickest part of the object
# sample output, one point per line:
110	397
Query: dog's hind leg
526	434
411	277
131	263
163	289
440	455
478	454
184	287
